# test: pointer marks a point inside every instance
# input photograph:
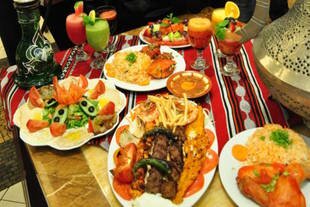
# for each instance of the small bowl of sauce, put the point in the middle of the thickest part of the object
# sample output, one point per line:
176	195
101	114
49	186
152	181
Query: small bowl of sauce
193	84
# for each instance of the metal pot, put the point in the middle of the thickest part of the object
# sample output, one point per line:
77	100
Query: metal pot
282	54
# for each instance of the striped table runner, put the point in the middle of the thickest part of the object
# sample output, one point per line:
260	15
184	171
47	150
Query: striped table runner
235	104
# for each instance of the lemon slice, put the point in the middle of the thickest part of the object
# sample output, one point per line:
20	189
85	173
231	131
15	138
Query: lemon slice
232	10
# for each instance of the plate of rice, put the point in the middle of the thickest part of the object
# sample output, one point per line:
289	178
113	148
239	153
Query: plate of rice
128	68
263	146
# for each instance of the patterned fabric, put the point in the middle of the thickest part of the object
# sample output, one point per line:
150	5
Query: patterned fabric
235	104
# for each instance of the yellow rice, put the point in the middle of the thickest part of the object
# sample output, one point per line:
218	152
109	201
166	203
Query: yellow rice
267	151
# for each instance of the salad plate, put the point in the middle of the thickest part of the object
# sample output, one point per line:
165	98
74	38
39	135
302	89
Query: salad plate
80	129
149	199
227	163
170	31
154	84
171	44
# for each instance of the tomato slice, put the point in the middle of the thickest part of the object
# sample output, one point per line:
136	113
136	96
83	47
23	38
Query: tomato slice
108	109
83	82
57	129
98	90
119	132
35	98
211	137
36	125
122	189
210	162
90	126
195	186
126	159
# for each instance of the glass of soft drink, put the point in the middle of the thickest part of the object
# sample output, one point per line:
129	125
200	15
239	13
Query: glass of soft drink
97	34
229	43
199	32
76	30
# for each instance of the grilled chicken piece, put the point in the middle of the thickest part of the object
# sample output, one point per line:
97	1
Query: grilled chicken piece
161	68
275	185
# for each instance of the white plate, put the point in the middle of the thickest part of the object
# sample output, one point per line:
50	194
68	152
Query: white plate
229	166
189	201
171	46
44	138
154	83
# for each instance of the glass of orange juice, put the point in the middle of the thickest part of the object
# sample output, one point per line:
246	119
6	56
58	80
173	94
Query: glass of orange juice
199	33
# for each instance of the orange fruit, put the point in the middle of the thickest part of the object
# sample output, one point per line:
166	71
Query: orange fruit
232	10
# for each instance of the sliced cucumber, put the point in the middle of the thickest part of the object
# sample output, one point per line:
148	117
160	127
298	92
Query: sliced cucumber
88	107
60	115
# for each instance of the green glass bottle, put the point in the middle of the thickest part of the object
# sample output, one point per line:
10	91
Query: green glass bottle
34	53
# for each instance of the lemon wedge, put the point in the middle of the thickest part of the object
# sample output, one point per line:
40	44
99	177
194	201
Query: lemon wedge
92	15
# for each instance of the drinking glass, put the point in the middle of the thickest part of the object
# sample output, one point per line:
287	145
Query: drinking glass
76	32
97	35
199	32
108	13
218	15
229	47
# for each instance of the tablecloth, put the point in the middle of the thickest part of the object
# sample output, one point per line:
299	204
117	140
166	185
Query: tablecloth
235	103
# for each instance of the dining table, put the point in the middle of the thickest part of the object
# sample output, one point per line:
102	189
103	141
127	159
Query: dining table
79	177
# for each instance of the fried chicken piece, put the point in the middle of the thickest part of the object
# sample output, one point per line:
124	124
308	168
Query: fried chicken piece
273	185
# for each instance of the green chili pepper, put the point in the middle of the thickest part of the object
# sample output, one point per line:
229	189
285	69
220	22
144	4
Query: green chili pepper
160	165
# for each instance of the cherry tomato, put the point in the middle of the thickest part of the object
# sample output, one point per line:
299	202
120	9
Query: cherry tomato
147	33
195	186
98	90
126	159
210	162
35	125
122	189
108	109
119	132
57	129
35	98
